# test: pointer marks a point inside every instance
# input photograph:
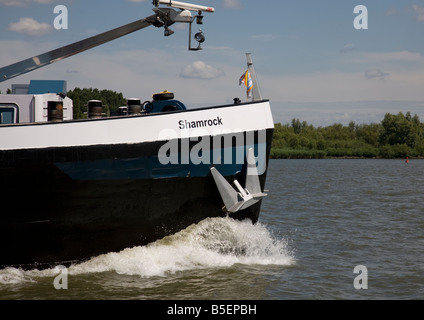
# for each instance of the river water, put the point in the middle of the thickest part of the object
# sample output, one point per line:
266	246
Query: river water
329	229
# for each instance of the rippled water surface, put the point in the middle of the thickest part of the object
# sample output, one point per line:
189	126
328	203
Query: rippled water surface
322	218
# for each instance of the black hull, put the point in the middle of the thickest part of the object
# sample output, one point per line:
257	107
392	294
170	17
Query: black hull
55	213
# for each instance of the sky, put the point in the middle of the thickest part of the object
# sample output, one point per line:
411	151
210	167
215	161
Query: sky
312	61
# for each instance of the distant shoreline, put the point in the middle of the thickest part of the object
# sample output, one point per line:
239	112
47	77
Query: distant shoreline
324	157
396	137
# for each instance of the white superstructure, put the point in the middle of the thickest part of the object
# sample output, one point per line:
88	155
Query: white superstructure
34	108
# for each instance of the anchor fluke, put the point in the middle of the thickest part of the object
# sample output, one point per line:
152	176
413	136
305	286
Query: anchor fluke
242	198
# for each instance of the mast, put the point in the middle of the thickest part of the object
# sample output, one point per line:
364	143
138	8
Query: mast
256	92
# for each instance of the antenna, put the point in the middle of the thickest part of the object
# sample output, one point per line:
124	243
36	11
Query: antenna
183	5
169	16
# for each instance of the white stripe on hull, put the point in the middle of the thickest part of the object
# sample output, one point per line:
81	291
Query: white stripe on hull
138	129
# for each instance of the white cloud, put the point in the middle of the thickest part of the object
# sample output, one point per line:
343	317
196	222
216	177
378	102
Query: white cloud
30	27
376	74
345	86
23	3
419	12
200	70
385	62
404	56
350	47
232	4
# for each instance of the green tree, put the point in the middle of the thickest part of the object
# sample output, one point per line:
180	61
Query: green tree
400	129
111	100
297	126
396	136
78	114
370	133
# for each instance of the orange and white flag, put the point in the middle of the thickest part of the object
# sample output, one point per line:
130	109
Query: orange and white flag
246	79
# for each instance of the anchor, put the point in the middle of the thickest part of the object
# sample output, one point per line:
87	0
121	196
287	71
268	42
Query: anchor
242	198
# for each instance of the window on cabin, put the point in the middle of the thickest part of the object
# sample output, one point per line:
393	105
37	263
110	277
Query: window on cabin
8	114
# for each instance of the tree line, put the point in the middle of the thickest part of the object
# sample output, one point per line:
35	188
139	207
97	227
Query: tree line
111	100
397	136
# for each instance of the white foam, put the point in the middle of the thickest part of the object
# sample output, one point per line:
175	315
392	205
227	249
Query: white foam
218	242
13	276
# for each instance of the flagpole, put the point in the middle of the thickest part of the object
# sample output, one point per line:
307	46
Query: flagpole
257	96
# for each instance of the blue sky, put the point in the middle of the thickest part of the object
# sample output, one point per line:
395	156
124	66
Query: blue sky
310	60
